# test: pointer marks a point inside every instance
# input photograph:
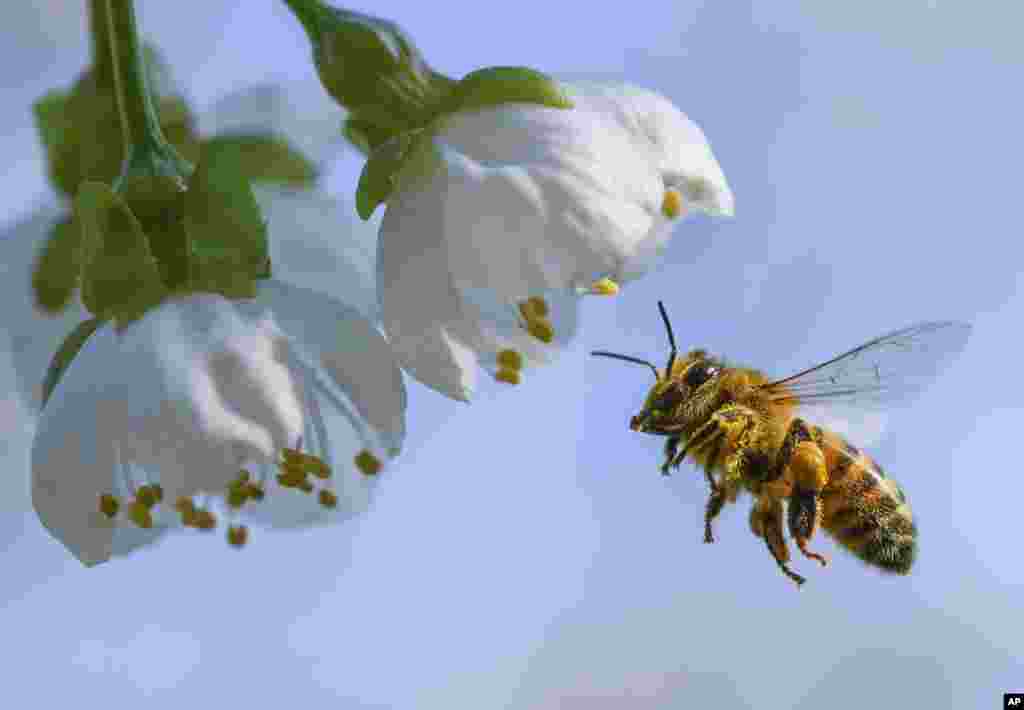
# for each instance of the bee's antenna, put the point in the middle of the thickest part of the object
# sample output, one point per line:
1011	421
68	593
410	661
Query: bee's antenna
627	358
671	339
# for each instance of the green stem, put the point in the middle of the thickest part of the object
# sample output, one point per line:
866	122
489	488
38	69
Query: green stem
99	30
138	117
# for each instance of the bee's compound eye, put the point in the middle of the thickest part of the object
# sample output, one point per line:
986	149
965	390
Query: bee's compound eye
699	373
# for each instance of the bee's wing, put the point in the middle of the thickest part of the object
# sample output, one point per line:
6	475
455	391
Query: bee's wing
851	392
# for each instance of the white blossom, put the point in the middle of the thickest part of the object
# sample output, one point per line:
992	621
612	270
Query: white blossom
523	201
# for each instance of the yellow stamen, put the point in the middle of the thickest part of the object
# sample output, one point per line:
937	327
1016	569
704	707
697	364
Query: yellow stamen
138	513
672	204
604	287
291	478
243	476
109	505
184	504
368	463
205	520
146	495
510	360
541	329
306	486
539	306
254	491
328	499
507	375
238	535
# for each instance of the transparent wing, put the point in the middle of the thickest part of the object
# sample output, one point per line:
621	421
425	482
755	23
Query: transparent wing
851	392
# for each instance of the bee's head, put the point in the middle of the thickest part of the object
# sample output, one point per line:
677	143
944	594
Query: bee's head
679	393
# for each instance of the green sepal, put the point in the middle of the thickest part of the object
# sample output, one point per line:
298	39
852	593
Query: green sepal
227	236
379	176
493	86
120	278
67	351
52	120
371	67
364	135
264	158
56	270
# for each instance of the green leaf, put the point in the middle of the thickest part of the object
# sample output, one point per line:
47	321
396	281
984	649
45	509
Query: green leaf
120	278
67	351
227	236
493	86
56	270
264	158
379	176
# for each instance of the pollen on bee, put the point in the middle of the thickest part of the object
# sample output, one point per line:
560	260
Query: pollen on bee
138	513
367	463
604	287
109	505
507	375
510	360
672	204
328	499
238	535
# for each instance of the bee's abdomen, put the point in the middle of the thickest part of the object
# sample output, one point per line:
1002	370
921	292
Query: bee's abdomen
867	513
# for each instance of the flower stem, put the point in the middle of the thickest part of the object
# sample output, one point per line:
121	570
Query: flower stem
138	117
99	30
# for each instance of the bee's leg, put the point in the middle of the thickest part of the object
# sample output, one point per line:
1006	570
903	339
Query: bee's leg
715	504
766	523
671	447
806	464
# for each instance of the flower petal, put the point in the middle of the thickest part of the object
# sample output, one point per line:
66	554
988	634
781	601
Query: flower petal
420	307
208	391
319	242
352	352
74	455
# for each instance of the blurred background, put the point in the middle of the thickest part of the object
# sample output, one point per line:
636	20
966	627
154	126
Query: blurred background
524	552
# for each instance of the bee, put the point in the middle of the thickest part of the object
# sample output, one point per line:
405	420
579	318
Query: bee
752	433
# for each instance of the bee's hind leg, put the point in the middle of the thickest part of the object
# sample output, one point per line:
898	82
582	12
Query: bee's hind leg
671	447
766	523
806	462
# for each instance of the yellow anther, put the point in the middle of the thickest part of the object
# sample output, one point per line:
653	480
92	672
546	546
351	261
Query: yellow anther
604	287
368	463
243	476
672	204
328	499
205	520
306	486
109	505
507	375
254	491
138	513
291	478
147	495
510	360
318	467
539	306
541	329
184	504
238	535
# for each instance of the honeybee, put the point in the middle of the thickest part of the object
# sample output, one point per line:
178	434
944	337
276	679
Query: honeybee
752	433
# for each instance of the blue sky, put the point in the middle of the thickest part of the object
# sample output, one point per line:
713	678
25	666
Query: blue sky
524	552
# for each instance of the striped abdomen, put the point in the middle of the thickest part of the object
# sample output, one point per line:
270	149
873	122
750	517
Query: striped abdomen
864	510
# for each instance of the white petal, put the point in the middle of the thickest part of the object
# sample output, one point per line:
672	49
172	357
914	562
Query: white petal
320	242
352	352
74	452
303	113
420	308
208	390
31	337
